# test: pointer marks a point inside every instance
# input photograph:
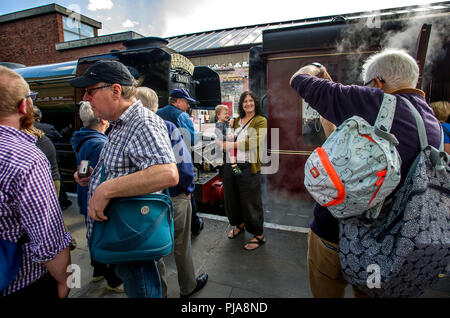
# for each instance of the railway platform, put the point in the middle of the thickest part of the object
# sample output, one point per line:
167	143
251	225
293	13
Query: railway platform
275	270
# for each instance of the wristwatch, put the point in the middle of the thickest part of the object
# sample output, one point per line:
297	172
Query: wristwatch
319	66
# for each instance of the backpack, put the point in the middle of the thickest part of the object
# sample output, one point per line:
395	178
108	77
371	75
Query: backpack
10	260
402	252
357	167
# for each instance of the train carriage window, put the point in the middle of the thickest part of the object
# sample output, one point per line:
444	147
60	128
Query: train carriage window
312	130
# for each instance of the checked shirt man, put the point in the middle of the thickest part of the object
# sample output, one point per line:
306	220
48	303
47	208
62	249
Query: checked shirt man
138	158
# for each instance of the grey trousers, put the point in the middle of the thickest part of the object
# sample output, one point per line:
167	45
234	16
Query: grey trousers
182	249
243	201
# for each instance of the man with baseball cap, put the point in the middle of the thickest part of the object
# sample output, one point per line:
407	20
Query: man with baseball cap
138	158
175	112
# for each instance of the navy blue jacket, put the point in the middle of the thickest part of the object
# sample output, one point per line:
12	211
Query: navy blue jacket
180	119
184	162
87	144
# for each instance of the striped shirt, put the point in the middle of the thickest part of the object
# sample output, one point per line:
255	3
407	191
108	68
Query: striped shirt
28	204
138	139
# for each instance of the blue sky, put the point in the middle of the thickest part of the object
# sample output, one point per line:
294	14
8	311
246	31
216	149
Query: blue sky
174	17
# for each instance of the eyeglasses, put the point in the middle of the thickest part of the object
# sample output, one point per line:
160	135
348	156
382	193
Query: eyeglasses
32	95
89	90
379	78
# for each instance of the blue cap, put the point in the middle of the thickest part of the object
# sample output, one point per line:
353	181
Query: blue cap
181	93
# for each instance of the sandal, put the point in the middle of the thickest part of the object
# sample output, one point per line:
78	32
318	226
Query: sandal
233	234
258	242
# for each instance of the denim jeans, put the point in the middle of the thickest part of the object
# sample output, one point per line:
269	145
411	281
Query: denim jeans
140	280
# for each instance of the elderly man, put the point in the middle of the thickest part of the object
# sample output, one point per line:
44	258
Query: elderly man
29	208
391	71
138	158
175	112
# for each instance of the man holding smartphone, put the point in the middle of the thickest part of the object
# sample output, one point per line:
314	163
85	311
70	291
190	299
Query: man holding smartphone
87	144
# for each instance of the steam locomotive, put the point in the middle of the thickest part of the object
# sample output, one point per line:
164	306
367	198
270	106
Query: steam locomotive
152	64
341	44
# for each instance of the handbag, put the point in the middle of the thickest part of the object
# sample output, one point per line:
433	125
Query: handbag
138	228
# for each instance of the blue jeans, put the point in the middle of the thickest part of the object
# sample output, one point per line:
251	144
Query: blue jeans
140	280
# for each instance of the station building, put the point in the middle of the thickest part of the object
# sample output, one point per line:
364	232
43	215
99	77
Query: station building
54	34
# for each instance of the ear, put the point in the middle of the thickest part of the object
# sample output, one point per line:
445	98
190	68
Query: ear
23	107
378	83
117	90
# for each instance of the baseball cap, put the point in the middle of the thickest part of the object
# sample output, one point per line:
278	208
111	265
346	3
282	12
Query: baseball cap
111	72
181	93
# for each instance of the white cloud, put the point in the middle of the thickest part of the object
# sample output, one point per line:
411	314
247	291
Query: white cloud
100	5
175	17
129	24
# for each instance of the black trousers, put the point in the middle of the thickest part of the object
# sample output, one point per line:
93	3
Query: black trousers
108	271
44	287
242	196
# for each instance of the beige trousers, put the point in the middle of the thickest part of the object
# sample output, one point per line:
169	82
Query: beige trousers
324	269
182	249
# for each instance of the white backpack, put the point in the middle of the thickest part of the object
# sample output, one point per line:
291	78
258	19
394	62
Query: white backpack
357	167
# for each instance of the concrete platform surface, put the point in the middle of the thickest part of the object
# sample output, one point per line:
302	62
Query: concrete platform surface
275	270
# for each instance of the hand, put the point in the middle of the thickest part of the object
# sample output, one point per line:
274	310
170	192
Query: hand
308	69
83	181
63	290
98	203
227	145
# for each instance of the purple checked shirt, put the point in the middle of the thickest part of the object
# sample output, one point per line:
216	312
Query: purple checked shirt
28	204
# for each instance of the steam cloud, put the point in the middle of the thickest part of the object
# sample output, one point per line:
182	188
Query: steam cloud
360	38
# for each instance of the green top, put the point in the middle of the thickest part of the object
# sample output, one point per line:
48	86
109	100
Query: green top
254	141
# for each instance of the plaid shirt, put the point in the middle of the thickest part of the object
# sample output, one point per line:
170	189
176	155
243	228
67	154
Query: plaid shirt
28	204
137	140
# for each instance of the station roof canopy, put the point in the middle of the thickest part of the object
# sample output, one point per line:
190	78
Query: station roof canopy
247	36
58	70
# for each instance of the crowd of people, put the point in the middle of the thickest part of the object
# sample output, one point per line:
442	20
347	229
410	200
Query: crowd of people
138	157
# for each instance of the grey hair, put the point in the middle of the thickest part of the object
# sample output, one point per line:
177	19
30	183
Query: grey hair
395	66
148	98
173	100
128	92
87	115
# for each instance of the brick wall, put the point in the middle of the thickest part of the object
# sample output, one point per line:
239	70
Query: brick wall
32	41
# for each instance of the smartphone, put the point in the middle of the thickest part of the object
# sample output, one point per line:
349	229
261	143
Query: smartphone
83	168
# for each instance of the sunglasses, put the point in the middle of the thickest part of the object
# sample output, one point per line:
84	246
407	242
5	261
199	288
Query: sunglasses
89	90
379	78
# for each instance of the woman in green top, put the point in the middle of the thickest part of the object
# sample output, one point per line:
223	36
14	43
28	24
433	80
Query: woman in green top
243	202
